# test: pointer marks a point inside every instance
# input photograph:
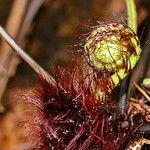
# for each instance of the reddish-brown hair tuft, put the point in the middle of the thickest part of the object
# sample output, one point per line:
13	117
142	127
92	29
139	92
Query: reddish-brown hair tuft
73	120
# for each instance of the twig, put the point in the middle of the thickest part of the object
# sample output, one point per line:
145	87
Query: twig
38	69
18	24
142	91
12	26
31	12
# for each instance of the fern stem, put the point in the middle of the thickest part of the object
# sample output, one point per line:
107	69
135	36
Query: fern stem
131	14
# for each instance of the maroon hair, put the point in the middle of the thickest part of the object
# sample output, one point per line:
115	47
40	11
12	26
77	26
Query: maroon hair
73	120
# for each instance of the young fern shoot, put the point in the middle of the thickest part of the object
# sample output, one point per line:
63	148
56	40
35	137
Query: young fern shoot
77	111
112	48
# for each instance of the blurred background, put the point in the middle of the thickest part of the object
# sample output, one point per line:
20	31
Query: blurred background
47	29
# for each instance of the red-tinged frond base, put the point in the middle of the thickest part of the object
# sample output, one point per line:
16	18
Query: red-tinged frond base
72	120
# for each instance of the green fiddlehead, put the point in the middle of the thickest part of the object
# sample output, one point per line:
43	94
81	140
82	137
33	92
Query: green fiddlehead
113	48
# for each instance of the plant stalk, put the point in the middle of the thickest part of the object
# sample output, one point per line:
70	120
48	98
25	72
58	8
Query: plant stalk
131	15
